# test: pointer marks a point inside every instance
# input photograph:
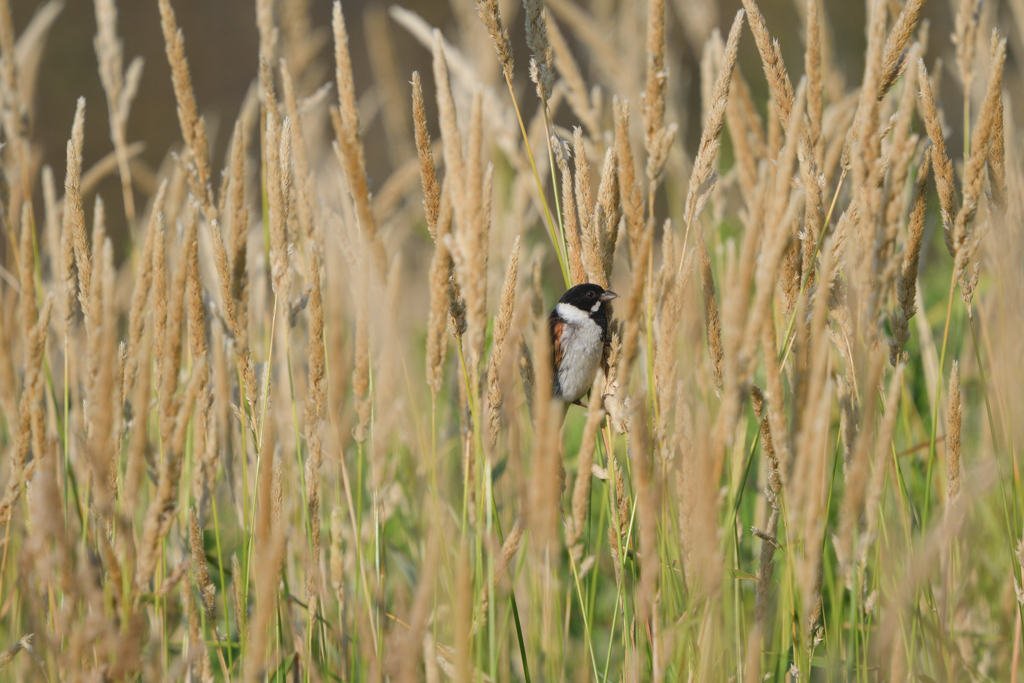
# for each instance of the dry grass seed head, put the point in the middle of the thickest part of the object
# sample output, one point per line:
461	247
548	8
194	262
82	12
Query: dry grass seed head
906	283
658	138
428	176
502	326
439	285
35	345
239	216
815	87
171	357
469	242
865	132
142	287
997	161
491	16
629	187
192	126
574	247
604	224
542	71
634	311
703	173
771	57
138	443
74	217
895	59
350	142
26	272
974	170
197	343
200	569
941	164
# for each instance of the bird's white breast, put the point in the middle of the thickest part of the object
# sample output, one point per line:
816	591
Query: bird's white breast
582	347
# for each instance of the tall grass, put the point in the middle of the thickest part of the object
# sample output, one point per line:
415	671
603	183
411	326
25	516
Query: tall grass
304	430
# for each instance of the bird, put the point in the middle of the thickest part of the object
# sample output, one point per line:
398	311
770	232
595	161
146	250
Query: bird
579	332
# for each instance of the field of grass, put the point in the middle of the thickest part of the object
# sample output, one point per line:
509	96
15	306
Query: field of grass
297	425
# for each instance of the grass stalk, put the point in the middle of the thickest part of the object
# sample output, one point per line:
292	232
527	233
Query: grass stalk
562	263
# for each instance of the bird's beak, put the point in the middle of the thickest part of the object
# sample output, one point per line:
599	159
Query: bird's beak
609	295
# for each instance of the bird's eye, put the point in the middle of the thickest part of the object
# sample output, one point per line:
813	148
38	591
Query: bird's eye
590	294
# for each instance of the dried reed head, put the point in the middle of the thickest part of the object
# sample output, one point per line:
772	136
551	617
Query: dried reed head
941	164
141	290
997	160
437	322
192	127
35	345
491	16
120	88
571	228
74	217
239	217
964	239
628	185
315	410
197	331
895	59
604	223
200	568
542	71
658	137
703	175
138	444
815	86
469	241
906	283
26	271
171	357
428	176
771	57
159	298
8	655
634	312
502	326
350	142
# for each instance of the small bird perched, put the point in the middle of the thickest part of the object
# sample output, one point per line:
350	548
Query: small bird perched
579	331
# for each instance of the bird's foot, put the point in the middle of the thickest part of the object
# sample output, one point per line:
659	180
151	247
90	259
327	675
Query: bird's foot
580	403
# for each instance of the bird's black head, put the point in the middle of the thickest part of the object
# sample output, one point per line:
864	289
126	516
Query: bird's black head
589	298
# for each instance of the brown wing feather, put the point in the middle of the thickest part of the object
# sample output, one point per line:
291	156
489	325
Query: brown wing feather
555	325
556	343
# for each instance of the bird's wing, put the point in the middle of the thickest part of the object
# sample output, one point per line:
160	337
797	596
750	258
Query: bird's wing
555	325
